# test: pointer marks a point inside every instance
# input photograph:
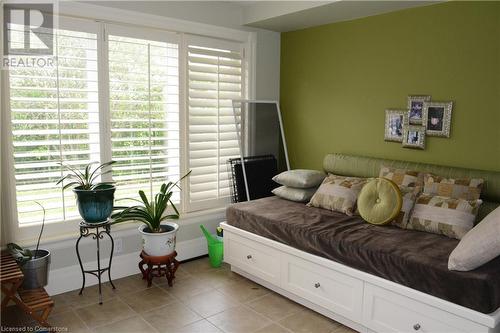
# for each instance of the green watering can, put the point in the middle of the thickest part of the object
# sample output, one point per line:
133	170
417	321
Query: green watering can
215	248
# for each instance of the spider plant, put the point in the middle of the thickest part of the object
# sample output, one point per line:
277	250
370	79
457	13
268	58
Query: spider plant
150	212
85	180
23	255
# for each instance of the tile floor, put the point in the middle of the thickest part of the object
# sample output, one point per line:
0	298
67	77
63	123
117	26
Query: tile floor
203	299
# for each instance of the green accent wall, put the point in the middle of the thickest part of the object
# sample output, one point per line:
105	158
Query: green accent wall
337	80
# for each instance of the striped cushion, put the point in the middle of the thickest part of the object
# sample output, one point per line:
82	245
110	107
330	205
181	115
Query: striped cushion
443	215
338	193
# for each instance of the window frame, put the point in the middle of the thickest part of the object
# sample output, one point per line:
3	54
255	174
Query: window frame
149	26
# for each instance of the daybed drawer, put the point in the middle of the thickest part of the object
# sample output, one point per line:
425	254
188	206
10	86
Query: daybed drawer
254	258
386	311
335	291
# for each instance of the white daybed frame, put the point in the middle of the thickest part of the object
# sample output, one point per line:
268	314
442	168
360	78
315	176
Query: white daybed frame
362	301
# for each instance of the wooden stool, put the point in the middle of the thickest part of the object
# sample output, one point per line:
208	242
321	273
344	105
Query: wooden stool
35	302
158	266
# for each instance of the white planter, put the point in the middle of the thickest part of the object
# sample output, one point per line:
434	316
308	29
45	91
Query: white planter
161	243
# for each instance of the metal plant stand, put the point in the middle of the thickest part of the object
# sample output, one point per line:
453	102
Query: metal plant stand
85	231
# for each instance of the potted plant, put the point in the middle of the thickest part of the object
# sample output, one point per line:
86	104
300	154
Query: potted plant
94	200
158	236
34	264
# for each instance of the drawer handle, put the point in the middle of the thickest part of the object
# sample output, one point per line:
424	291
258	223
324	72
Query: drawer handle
249	256
416	327
317	285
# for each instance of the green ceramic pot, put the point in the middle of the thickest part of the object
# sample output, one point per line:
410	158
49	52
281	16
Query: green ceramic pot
95	205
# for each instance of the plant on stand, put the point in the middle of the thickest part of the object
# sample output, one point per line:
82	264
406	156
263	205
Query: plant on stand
34	264
94	199
158	236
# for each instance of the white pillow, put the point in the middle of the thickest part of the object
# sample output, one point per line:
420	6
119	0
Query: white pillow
294	194
478	246
300	178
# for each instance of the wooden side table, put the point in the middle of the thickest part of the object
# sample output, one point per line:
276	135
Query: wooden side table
35	302
158	266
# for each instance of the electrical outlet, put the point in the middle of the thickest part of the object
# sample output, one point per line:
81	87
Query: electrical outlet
118	245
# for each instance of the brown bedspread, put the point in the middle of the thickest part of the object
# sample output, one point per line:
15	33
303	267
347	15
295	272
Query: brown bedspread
414	259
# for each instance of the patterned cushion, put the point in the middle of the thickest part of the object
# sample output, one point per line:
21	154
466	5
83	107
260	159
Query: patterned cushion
300	178
338	193
467	189
409	196
402	177
294	194
443	215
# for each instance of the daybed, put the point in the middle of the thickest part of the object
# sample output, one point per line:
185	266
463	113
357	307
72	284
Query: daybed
371	278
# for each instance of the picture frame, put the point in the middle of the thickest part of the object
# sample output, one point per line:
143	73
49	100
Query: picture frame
414	136
395	120
437	118
416	108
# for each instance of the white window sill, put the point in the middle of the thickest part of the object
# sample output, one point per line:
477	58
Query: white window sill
121	229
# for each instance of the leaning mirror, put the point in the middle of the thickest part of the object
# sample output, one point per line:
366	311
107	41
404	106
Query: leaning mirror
263	152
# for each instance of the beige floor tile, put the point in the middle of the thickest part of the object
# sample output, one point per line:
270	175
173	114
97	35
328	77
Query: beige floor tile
180	274
308	321
185	288
130	325
68	322
128	284
243	290
62	303
273	328
209	303
217	278
202	326
111	311
148	299
275	306
171	316
240	319
89	296
343	329
201	265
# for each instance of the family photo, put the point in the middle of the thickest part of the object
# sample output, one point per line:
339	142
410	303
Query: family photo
416	108
395	120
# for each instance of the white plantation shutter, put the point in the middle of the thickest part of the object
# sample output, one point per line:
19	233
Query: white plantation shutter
54	112
144	110
215	78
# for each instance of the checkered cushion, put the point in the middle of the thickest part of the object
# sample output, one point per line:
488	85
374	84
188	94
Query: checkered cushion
467	189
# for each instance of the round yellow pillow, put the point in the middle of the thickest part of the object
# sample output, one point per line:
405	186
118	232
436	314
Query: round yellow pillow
379	201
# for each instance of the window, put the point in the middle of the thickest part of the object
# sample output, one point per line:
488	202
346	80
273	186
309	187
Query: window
215	78
144	109
55	117
115	94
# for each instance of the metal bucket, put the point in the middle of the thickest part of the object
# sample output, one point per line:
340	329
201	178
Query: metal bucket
36	271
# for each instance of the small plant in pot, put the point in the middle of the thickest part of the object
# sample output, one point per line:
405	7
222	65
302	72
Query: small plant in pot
93	199
158	236
34	263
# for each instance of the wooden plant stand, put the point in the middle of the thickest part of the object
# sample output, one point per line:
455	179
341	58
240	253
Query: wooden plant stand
35	302
158	266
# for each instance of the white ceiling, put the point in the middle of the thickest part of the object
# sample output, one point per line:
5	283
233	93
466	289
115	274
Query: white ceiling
278	16
341	10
